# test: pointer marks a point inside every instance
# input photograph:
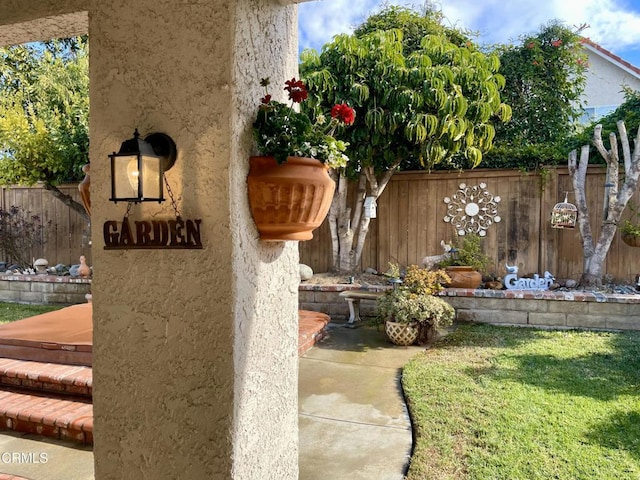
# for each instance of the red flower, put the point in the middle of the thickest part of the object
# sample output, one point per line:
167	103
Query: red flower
556	43
344	113
266	99
531	45
297	90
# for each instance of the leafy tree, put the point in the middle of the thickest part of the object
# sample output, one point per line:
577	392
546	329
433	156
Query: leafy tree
545	77
44	110
417	103
628	112
414	27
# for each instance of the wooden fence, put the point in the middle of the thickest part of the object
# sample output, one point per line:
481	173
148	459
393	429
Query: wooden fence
410	223
67	235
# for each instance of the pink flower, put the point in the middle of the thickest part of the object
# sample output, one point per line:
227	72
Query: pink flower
556	43
531	45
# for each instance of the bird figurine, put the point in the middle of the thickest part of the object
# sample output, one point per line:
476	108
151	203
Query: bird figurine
511	269
83	270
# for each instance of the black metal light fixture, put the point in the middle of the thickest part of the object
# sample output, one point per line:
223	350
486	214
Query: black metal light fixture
137	170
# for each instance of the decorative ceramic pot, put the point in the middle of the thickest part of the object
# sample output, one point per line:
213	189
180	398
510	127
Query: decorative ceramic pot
85	189
463	277
290	200
402	334
631	240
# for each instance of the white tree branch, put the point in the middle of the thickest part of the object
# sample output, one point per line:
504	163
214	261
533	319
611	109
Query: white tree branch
626	150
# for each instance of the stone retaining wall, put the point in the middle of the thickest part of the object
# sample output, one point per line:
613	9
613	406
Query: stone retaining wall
326	299
505	307
546	308
44	289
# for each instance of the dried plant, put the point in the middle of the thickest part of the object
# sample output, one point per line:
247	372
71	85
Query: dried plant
20	231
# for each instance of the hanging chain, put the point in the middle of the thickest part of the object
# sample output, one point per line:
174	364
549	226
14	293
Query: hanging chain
129	205
170	193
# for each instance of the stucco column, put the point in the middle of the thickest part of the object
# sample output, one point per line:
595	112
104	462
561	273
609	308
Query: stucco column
195	351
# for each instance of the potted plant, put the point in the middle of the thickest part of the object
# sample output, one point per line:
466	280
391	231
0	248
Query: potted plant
412	313
466	263
629	230
290	190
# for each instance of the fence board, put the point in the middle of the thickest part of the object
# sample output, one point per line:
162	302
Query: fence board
410	223
65	238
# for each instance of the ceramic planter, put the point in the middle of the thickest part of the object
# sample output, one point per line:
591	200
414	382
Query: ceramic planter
290	200
402	334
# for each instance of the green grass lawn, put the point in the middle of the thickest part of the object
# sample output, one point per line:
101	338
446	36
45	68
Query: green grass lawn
513	403
10	312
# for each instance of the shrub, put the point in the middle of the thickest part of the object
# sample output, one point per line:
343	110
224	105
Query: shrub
468	252
20	231
404	306
425	282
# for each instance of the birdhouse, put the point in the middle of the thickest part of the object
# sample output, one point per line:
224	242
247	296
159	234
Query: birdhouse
370	207
564	214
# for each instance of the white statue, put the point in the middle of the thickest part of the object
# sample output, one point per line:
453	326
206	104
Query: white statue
432	260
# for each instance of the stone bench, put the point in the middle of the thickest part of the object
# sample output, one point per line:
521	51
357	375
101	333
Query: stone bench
353	298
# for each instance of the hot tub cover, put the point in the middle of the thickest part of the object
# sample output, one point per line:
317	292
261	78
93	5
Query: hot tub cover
63	336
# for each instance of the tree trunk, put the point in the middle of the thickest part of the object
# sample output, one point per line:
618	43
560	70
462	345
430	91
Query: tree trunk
67	200
595	254
348	226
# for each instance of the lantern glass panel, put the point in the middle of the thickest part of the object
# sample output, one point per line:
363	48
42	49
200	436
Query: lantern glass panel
125	174
151	178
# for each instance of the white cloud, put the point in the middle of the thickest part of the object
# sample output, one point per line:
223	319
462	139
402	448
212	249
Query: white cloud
320	21
610	22
615	24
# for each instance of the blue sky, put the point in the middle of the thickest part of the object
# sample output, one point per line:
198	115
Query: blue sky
614	24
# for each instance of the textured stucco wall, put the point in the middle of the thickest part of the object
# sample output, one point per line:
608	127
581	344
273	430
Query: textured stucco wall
31	20
195	365
266	334
195	371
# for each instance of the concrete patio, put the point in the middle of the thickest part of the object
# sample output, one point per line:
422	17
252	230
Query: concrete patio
353	422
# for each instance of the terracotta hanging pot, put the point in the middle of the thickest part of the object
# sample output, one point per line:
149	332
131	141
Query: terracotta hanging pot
631	240
290	200
463	277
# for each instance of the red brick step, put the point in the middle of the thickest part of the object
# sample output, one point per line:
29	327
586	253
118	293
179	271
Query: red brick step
47	414
46	377
54	400
311	329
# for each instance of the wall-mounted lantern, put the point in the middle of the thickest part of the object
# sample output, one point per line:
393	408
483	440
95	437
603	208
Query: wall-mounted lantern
137	170
137	175
564	214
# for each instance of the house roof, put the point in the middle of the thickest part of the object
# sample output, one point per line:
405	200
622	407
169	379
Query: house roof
610	56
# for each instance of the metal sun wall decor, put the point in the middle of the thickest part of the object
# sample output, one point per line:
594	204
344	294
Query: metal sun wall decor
472	209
